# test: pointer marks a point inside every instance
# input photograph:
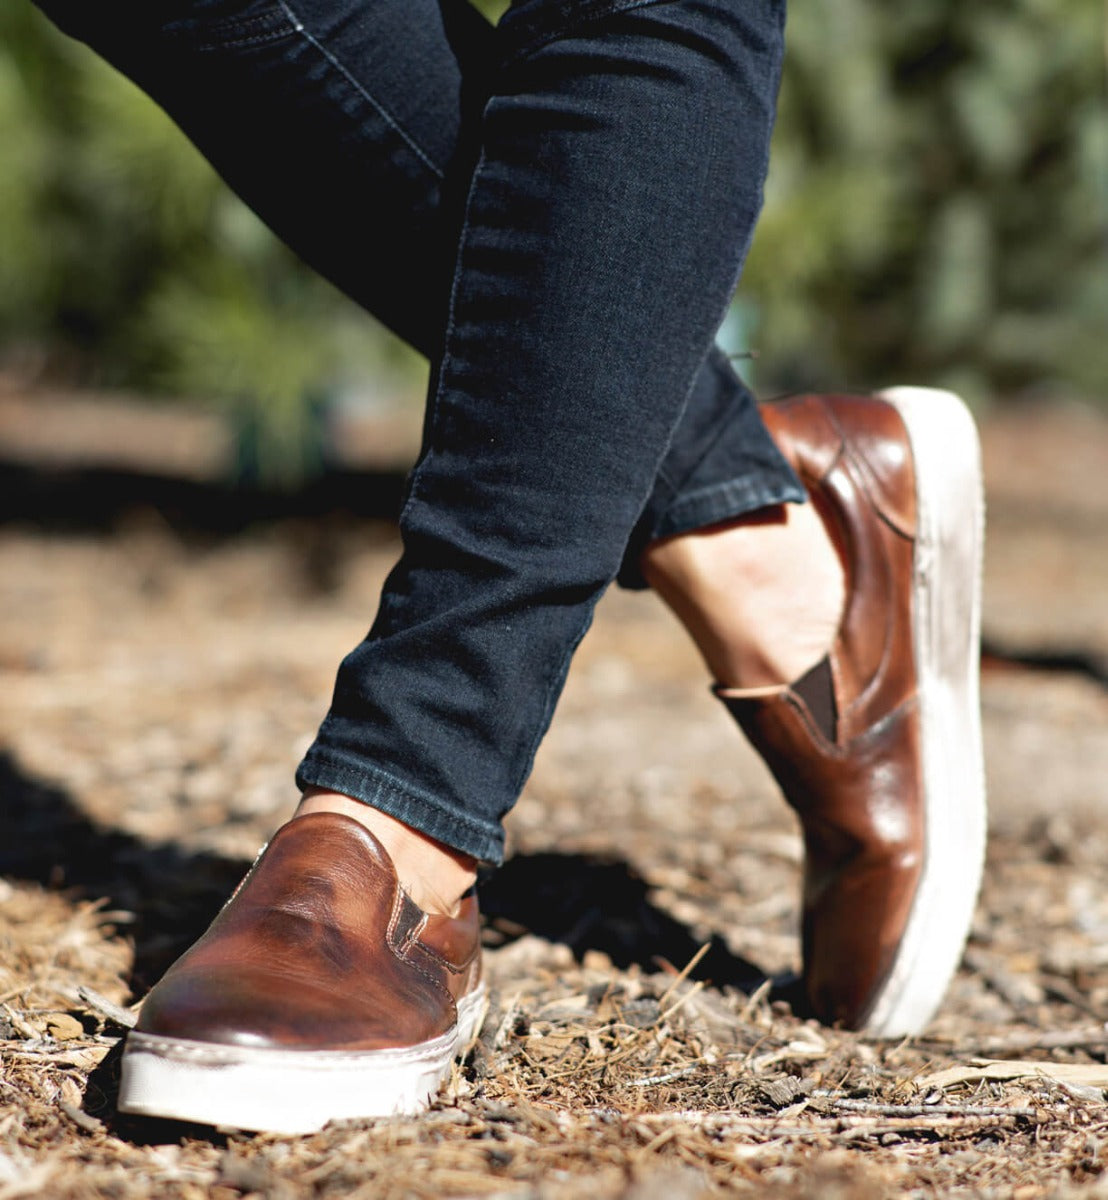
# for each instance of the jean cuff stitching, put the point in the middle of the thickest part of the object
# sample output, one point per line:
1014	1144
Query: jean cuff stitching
326	768
722	501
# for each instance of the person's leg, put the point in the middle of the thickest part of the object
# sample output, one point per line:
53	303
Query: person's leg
620	175
350	128
622	153
759	595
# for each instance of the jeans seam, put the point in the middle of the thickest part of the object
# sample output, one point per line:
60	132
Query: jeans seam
388	117
434	399
550	700
247	31
245	43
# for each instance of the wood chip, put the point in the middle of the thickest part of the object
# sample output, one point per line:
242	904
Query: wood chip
114	1013
62	1027
81	1119
1088	1075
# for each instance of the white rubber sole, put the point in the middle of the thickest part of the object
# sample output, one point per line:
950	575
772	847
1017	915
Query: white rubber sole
288	1091
947	622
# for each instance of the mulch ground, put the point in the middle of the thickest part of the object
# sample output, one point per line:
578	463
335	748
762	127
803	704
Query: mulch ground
158	688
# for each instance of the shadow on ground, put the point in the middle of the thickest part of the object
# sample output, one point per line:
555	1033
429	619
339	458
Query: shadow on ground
589	902
581	901
169	893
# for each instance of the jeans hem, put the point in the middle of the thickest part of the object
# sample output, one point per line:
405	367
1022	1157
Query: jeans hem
711	506
723	501
368	783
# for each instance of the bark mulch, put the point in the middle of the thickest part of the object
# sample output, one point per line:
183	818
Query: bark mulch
158	688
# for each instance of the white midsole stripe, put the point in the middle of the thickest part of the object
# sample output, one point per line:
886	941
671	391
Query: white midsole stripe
288	1091
947	620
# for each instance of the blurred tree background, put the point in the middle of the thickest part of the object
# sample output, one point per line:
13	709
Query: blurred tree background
937	208
937	212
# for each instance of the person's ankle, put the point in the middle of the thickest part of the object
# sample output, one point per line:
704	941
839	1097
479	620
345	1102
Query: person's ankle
434	875
761	596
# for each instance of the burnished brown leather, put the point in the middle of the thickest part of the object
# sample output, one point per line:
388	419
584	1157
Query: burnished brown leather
320	949
858	794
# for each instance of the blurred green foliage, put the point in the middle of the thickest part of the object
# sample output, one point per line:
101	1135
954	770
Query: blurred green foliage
937	208
937	211
126	264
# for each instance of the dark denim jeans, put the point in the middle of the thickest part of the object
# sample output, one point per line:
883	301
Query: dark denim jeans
556	212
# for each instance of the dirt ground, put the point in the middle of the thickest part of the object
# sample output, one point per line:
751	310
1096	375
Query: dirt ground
158	688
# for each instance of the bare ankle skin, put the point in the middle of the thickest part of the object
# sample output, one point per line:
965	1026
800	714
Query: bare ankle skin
761	596
434	875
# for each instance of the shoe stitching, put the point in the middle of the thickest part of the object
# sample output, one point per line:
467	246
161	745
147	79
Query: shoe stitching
436	983
843	707
220	1052
402	951
852	467
453	968
851	464
400	944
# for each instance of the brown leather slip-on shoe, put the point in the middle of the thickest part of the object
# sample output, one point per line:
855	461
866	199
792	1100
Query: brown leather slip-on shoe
319	992
878	749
